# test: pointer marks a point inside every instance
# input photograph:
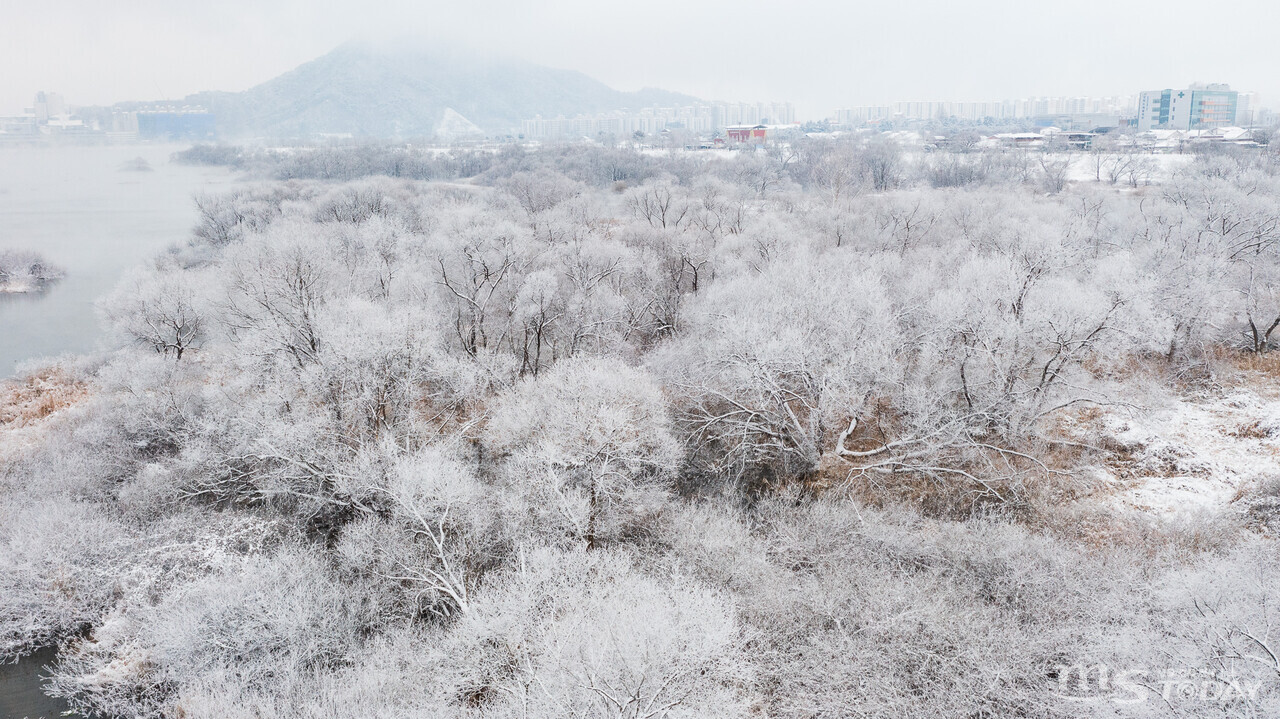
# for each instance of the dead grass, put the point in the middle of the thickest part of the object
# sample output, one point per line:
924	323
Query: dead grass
1265	365
1248	430
1025	487
37	396
1087	465
1101	527
1233	368
1124	368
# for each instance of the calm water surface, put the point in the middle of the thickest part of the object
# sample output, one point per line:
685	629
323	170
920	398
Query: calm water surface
83	211
20	694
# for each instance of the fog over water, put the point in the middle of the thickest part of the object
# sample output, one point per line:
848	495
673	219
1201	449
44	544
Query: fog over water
84	213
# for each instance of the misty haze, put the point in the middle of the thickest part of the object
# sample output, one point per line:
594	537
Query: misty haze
640	362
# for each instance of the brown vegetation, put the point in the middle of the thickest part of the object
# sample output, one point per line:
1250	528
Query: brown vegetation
34	397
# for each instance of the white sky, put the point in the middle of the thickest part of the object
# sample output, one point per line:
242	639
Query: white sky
819	55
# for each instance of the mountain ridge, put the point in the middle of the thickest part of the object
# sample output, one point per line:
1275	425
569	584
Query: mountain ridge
370	91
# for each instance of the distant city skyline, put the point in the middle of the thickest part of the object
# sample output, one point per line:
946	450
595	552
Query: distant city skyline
784	112
813	54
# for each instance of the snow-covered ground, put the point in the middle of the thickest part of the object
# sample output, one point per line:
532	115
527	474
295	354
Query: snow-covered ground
26	403
1163	166
1197	453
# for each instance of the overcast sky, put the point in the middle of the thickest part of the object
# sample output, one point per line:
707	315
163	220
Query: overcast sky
820	55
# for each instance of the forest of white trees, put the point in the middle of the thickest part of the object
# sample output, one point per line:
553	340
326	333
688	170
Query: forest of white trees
588	432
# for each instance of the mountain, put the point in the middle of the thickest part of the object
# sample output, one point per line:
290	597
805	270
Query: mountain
399	91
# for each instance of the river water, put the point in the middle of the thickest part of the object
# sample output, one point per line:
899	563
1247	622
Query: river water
88	211
21	696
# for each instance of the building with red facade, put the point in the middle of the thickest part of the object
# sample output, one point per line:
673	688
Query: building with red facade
747	133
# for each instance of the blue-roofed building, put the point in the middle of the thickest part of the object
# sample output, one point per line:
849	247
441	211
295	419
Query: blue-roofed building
176	124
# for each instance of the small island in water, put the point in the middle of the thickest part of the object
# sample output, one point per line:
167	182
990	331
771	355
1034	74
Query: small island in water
137	164
25	271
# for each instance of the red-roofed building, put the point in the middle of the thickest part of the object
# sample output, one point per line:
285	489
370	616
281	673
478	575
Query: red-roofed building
747	133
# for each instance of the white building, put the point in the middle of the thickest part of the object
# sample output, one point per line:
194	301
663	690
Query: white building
47	105
1248	105
1198	107
1084	109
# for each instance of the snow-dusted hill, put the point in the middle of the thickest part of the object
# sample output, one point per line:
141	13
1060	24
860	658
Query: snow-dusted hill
405	91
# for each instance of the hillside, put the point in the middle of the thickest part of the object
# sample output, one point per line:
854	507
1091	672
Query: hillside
404	92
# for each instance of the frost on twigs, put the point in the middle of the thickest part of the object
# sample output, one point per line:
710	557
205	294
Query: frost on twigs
592	439
26	271
834	428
